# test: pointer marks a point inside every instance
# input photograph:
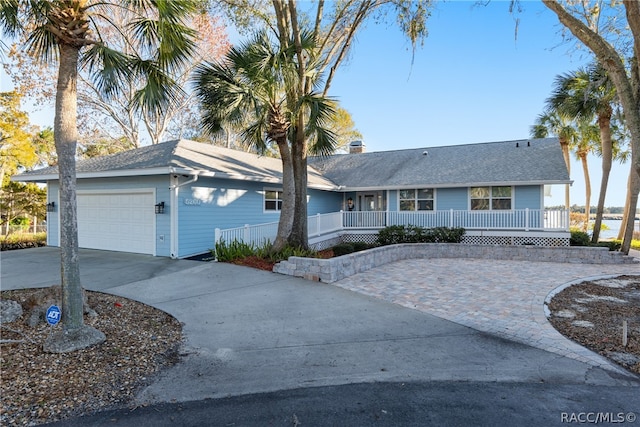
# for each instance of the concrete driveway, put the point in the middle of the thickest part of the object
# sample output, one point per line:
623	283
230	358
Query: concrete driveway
99	270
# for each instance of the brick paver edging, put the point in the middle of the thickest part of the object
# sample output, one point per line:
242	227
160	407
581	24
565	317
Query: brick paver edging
334	269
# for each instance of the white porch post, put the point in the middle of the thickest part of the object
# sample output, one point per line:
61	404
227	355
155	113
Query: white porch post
246	236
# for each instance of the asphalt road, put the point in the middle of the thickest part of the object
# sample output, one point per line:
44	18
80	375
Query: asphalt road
442	403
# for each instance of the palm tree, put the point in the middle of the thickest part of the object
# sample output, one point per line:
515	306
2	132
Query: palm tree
65	30
253	82
585	94
553	123
587	138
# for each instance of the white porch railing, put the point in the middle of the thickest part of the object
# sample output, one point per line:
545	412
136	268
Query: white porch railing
517	219
320	224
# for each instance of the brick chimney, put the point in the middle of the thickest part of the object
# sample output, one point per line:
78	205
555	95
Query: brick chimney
356	147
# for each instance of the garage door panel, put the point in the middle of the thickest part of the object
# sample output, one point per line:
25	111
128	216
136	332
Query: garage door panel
117	221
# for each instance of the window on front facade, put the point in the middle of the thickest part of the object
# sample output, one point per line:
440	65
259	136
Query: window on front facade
272	200
416	200
490	198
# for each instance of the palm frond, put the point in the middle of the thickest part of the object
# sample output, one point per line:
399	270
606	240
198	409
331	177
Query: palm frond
321	111
10	17
109	68
255	134
42	43
159	91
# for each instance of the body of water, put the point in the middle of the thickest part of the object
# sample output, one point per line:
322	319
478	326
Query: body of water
614	228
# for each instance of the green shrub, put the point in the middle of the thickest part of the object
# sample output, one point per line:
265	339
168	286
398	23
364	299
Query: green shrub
361	246
611	244
579	238
392	235
289	251
445	235
343	249
411	234
227	252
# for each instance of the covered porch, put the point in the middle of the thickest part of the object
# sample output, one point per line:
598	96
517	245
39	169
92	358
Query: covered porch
537	227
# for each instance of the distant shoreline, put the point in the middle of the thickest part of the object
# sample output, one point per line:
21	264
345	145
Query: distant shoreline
611	217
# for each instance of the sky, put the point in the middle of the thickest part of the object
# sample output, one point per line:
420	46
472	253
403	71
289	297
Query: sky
472	81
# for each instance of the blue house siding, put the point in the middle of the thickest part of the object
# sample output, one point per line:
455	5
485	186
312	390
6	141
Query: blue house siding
529	196
214	203
393	200
321	202
452	198
211	203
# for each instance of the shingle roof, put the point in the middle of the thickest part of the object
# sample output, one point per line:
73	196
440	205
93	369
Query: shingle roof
181	155
534	161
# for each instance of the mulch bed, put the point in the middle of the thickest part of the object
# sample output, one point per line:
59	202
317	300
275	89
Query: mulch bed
39	387
592	314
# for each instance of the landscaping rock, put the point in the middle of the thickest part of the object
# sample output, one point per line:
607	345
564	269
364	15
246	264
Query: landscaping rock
9	311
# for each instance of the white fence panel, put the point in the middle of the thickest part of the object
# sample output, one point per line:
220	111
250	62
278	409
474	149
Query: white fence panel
324	223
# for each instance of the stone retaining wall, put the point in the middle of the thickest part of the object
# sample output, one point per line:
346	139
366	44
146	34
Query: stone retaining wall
331	270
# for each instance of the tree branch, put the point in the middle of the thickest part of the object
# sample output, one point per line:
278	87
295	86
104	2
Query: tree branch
359	18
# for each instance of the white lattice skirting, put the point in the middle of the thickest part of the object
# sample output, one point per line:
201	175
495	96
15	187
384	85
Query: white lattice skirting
547	239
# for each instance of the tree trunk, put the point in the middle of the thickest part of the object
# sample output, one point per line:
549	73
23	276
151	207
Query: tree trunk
285	223
75	335
604	123
627	200
587	185
299	236
631	211
567	160
66	137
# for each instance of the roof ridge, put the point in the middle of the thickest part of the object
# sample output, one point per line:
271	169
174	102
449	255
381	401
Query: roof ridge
474	144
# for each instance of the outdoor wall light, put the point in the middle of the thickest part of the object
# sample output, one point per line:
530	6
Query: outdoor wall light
51	207
160	208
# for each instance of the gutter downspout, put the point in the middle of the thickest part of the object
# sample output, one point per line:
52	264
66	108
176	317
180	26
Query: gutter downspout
173	207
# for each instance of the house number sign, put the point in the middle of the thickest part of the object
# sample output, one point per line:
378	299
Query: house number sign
193	202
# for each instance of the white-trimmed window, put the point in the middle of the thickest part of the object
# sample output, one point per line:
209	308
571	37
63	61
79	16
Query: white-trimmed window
272	200
416	200
491	198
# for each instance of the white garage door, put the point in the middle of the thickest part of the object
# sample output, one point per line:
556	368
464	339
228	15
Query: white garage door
117	221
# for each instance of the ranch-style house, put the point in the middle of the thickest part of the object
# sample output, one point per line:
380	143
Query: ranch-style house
176	198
